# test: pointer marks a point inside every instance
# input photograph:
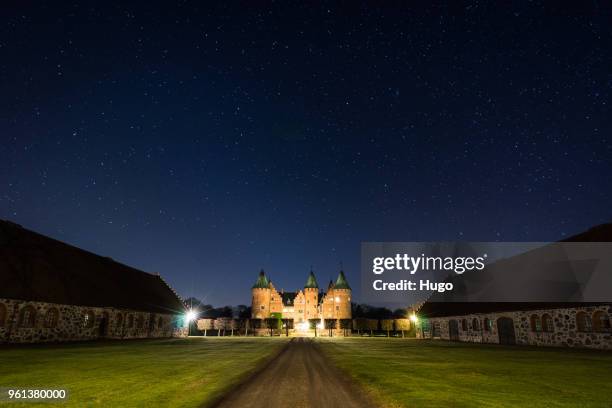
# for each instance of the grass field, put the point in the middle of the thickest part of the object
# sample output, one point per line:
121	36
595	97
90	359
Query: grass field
416	373
181	372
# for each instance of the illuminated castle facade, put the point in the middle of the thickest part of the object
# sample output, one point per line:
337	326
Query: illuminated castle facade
298	309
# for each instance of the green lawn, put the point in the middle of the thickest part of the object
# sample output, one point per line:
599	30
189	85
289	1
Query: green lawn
415	373
168	373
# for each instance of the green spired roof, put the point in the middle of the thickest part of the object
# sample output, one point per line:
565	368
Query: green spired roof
341	282
311	282
262	281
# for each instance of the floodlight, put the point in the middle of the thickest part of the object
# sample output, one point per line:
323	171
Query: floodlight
190	315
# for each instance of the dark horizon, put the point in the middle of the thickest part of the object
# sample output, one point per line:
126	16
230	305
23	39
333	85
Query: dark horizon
207	142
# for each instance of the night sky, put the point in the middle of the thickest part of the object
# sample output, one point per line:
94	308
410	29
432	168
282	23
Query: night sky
206	142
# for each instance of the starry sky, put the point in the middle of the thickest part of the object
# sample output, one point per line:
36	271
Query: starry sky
205	142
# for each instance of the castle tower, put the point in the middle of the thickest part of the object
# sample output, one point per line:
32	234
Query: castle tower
260	301
311	295
342	297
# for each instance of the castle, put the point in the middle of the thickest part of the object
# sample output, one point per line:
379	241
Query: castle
304	309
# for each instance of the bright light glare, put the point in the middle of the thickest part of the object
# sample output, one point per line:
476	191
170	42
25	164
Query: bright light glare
190	316
320	325
303	326
414	318
337	299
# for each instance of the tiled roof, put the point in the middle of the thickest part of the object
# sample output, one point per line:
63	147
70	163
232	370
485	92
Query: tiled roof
262	281
38	268
311	282
600	233
341	282
288	298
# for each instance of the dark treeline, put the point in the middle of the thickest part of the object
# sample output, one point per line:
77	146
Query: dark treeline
373	312
206	311
244	312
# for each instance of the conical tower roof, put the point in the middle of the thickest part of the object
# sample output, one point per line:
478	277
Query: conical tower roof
262	281
311	282
341	282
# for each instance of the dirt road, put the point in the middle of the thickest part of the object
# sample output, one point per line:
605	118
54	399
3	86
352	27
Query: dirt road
299	377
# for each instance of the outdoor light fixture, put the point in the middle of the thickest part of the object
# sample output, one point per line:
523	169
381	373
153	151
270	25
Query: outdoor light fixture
414	318
190	315
337	299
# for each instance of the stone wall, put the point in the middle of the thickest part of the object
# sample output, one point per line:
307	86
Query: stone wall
35	322
565	331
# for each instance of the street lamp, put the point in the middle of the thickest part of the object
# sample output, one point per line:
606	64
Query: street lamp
190	315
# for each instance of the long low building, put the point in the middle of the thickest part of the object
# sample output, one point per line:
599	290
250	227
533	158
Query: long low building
53	292
536	324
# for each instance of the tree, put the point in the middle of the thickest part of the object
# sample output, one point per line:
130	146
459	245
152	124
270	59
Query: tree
243	312
256	323
222	324
386	325
205	325
402	325
371	312
274	322
193	302
330	324
243	324
313	324
225	311
372	325
345	324
287	324
207	311
361	324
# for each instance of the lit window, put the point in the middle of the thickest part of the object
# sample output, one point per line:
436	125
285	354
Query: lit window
88	319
